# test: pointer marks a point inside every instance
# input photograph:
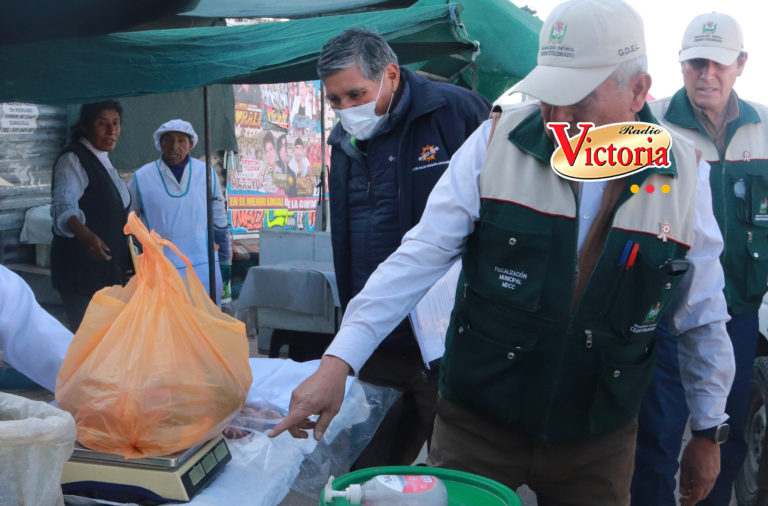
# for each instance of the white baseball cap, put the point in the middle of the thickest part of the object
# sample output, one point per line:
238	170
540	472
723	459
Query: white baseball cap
714	36
175	125
581	43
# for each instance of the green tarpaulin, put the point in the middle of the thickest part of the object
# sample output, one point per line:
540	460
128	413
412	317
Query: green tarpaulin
24	21
141	63
509	40
293	9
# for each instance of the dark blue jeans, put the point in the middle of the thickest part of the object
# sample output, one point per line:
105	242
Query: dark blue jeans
664	414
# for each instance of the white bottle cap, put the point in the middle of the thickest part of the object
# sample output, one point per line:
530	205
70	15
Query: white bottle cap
355	494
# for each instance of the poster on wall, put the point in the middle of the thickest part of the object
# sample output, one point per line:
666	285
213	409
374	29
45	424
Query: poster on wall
18	118
276	182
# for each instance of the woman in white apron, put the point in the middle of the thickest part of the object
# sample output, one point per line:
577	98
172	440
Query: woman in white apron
169	195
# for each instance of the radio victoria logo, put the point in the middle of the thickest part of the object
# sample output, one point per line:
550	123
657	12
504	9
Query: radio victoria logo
609	151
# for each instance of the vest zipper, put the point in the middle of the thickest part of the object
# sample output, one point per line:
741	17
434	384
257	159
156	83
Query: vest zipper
576	311
372	206
571	317
605	244
725	219
569	330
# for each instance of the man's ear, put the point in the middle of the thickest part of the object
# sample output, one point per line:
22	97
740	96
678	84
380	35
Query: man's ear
639	86
392	73
742	60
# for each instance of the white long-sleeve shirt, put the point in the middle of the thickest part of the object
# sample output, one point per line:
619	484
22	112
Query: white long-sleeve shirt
430	248
31	340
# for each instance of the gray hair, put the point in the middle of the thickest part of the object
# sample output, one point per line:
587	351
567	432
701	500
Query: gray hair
629	69
356	46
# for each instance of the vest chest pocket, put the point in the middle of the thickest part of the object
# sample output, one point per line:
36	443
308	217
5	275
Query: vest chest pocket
620	391
643	294
512	264
488	372
757	264
759	204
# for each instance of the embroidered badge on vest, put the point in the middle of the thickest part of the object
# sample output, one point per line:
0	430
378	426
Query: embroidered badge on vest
653	313
428	153
666	229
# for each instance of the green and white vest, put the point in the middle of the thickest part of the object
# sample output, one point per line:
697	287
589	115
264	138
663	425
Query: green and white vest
517	351
743	219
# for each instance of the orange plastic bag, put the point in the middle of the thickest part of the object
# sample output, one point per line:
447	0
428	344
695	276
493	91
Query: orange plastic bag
155	367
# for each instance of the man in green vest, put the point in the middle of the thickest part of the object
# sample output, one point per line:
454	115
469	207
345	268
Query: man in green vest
552	341
732	134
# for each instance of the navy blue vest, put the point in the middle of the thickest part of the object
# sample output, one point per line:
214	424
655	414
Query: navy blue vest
374	210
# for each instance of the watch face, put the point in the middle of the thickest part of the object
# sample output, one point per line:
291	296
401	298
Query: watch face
721	435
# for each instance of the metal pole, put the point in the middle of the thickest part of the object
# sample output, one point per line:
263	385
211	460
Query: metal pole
209	194
322	154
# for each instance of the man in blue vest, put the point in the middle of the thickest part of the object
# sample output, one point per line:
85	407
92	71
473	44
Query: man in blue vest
541	384
396	134
733	136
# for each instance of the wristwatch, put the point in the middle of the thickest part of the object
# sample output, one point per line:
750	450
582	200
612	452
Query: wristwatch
717	434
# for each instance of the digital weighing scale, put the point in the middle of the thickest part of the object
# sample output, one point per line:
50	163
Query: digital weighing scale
157	480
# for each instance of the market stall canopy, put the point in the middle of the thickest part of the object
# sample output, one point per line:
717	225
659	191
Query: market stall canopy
509	41
91	69
23	21
293	9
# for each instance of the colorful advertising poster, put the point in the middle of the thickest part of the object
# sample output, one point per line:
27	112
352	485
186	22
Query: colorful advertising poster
276	182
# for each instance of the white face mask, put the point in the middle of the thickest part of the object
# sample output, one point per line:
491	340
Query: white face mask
361	121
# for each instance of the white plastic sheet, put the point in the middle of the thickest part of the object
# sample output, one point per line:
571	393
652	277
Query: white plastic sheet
333	456
36	440
262	469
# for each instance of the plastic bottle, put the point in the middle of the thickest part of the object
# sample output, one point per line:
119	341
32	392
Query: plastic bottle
393	490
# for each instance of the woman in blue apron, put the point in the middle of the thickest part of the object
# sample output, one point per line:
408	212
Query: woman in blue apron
169	195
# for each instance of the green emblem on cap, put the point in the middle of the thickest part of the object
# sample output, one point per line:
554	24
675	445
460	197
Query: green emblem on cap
653	313
764	206
557	34
709	28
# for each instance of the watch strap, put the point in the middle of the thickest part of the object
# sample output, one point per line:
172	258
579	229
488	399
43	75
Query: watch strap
718	434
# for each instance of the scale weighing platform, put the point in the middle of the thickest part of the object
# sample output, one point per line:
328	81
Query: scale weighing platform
157	480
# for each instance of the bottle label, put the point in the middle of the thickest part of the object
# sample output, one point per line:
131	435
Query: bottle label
407	484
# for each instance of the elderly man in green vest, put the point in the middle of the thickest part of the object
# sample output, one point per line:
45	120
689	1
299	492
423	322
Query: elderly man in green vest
732	134
541	384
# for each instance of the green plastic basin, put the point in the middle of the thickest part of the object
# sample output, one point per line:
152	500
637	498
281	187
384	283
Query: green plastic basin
464	489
